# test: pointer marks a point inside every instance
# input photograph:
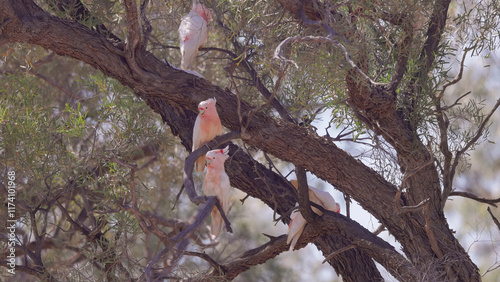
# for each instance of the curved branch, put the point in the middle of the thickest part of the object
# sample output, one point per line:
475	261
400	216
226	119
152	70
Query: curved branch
330	223
259	255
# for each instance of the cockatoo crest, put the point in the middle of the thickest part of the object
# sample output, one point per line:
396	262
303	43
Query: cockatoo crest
202	11
216	158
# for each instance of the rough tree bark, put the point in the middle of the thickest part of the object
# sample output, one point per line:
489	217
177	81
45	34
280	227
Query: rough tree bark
425	237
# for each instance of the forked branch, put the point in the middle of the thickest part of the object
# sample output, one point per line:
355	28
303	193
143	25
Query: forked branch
470	143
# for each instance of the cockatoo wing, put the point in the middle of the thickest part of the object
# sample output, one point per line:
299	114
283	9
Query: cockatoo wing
225	188
197	142
295	229
322	198
193	33
217	222
211	188
222	192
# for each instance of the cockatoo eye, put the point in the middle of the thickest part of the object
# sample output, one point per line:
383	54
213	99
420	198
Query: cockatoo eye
206	108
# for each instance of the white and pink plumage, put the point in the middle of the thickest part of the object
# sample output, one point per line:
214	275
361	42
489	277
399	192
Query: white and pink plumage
193	33
206	127
217	184
298	222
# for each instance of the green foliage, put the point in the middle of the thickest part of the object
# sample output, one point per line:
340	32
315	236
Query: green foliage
65	155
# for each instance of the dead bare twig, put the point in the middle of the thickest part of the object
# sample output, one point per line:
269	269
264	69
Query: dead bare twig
495	220
491	202
200	219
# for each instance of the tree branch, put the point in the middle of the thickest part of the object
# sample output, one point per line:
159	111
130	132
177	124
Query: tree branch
459	153
437	23
495	220
491	202
259	255
219	269
330	256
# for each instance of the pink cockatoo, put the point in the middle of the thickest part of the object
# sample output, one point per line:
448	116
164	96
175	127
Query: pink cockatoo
193	33
298	222
206	127
217	184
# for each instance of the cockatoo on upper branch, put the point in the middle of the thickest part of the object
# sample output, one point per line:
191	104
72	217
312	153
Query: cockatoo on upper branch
298	222
193	33
217	184
206	127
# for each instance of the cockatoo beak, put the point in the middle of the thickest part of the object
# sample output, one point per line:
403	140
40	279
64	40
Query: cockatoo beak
208	162
201	111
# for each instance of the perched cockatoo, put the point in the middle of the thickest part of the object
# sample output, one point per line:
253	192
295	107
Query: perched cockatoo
298	222
206	127
217	184
193	33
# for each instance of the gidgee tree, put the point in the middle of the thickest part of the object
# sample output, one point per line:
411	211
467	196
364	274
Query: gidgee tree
382	68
